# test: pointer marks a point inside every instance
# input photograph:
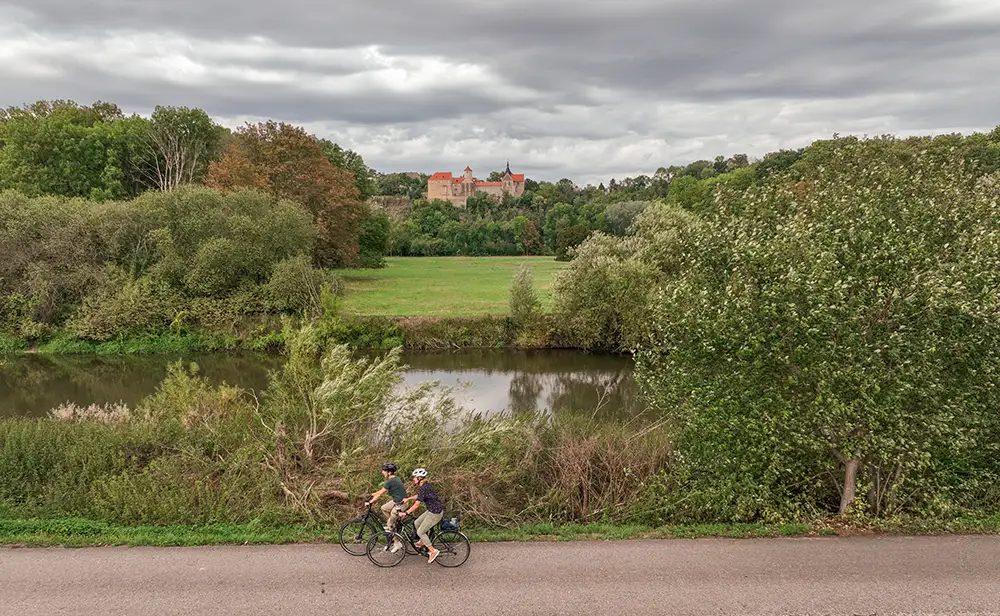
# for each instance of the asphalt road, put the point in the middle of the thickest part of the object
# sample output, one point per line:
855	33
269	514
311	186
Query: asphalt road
883	575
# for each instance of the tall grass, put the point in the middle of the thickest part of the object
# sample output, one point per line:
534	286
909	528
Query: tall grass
193	453
9	346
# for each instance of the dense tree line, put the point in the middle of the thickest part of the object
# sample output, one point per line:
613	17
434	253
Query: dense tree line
535	224
551	218
96	152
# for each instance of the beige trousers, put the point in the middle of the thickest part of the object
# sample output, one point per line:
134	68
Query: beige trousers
391	511
425	523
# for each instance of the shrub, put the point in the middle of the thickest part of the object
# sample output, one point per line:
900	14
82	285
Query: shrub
112	269
524	303
125	307
100	413
602	299
831	344
295	286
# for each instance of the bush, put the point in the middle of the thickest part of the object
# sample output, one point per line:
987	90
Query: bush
10	346
457	332
830	344
112	269
124	307
524	303
295	286
602	299
362	332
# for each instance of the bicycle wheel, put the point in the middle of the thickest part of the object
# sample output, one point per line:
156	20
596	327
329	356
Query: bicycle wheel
354	535
380	549
454	546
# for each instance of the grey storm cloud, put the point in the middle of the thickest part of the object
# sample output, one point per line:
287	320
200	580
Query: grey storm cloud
577	88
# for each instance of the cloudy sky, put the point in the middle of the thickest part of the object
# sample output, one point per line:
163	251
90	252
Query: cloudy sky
585	89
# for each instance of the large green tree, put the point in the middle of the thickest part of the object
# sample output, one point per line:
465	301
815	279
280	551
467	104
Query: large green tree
62	148
833	342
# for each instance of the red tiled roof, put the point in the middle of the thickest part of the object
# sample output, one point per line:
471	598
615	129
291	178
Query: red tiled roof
468	168
441	175
489	183
517	177
457	180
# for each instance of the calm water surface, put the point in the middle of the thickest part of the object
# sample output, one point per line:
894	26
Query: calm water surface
488	381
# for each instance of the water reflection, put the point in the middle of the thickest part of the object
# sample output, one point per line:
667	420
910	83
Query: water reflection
524	381
30	385
487	381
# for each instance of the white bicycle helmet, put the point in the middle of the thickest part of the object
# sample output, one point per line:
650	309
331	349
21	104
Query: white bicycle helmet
419	472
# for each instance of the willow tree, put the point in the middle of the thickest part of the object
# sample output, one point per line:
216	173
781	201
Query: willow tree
836	337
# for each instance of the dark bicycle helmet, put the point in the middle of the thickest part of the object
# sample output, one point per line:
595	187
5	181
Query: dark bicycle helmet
389	467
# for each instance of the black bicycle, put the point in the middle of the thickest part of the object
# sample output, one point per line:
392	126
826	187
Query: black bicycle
354	534
453	545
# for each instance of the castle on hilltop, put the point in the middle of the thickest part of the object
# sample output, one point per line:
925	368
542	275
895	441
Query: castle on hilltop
443	185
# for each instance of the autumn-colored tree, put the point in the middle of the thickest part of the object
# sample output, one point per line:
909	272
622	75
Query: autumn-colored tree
289	162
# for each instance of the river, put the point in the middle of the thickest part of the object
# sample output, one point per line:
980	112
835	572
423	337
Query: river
487	381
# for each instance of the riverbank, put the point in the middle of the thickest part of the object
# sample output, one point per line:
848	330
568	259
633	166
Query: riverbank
80	532
359	332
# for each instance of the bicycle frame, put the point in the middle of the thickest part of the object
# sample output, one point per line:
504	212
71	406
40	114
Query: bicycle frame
370	515
408	529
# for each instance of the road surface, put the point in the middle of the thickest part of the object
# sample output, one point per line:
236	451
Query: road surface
883	575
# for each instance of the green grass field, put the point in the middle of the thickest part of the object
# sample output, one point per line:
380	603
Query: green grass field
443	286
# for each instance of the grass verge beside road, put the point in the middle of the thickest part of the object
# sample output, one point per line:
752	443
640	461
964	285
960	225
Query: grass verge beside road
443	286
77	532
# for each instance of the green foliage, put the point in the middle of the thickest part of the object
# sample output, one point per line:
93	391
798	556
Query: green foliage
844	321
619	216
457	332
75	531
364	176
183	141
294	286
602	299
568	238
411	186
121	306
10	346
374	240
525	307
163	342
362	333
61	148
187	258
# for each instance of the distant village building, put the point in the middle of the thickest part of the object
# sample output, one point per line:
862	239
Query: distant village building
443	185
